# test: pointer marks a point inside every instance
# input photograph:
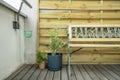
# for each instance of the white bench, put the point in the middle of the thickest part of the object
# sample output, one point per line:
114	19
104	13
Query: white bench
97	34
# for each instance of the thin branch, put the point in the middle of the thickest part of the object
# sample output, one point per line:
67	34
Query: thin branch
75	51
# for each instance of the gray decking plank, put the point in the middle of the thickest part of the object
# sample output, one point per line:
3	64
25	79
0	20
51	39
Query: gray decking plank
91	73
42	74
29	73
112	73
49	75
22	74
35	74
88	72
98	73
116	68
113	69
57	75
72	76
84	73
117	65
64	73
16	72
77	73
109	77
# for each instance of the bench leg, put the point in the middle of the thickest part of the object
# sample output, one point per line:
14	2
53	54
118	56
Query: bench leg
68	62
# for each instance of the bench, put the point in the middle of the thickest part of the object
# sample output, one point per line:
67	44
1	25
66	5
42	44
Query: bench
92	36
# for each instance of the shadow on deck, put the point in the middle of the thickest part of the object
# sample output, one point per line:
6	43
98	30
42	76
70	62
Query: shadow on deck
78	72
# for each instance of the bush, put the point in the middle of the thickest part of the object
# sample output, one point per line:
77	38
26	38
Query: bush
56	43
40	56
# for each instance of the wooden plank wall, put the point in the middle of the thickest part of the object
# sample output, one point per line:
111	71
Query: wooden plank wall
67	12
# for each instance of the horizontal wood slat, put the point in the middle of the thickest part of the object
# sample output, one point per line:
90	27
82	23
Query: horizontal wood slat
80	15
106	58
95	45
96	39
42	35
85	50
62	23
78	5
52	23
49	31
97	25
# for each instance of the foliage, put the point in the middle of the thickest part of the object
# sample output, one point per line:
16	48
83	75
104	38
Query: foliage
40	56
56	43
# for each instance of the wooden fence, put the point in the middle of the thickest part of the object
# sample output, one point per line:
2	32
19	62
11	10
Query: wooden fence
60	13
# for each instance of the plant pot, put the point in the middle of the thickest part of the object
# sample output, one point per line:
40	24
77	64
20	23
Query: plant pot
42	65
54	62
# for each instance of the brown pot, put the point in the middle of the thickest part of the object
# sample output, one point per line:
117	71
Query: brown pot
42	65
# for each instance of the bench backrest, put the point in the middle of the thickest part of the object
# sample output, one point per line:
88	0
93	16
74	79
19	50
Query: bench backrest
94	32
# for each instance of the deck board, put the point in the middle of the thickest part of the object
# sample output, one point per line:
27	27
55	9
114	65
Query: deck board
13	75
57	75
113	70
64	73
98	73
110	72
118	66
42	74
29	73
105	73
49	75
73	76
91	73
35	74
85	74
78	72
23	73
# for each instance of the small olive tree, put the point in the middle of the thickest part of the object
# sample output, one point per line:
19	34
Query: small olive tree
56	43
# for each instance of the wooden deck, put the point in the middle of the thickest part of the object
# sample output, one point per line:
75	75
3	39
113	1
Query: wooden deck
78	72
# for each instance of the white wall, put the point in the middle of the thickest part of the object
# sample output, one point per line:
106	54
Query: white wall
30	24
11	54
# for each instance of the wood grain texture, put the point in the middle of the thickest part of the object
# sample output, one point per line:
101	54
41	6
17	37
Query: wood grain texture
51	23
80	15
78	72
79	5
61	13
96	40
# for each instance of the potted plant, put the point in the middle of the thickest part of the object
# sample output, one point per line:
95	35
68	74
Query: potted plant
55	57
41	59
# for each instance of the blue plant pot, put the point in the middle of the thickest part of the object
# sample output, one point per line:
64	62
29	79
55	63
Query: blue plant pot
54	62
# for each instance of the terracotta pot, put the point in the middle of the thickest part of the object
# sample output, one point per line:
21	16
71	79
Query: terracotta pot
42	65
